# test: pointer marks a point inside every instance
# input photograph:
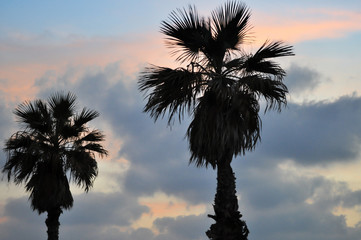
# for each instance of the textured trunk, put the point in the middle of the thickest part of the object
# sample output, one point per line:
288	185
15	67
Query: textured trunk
228	225
52	222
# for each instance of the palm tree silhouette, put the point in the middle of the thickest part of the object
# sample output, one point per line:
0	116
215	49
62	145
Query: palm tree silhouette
54	146
220	88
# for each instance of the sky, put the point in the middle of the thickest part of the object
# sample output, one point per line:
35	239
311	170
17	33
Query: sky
303	179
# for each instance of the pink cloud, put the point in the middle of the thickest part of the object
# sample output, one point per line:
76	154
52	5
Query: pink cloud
24	61
161	205
25	58
305	25
3	220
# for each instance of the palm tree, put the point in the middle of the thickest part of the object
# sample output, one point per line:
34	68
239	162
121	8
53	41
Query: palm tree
54	147
220	86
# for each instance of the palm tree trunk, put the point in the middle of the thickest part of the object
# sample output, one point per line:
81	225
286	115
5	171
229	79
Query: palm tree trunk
52	222
228	225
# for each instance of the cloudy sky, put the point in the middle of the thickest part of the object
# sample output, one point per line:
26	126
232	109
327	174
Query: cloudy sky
303	181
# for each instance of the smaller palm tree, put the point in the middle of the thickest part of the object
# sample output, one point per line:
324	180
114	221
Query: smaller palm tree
54	146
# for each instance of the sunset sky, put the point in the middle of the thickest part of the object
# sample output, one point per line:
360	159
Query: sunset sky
303	181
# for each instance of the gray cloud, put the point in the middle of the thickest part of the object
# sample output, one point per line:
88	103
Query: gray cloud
6	124
21	222
94	209
280	204
301	222
183	227
300	79
313	134
352	199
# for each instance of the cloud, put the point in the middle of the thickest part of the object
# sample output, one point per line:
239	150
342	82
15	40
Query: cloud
183	227
352	199
25	60
300	79
313	133
277	203
6	123
19	222
26	56
289	203
307	24
302	222
94	209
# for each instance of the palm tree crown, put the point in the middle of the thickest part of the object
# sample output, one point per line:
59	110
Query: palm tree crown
220	86
55	145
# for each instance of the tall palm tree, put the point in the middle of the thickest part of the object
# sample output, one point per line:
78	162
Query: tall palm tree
220	86
54	147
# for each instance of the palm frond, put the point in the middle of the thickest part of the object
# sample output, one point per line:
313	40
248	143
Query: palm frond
85	116
231	24
273	50
172	90
93	136
187	33
20	166
23	153
267	67
62	105
77	127
273	91
34	115
19	140
68	131
259	61
83	168
46	117
234	63
95	148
